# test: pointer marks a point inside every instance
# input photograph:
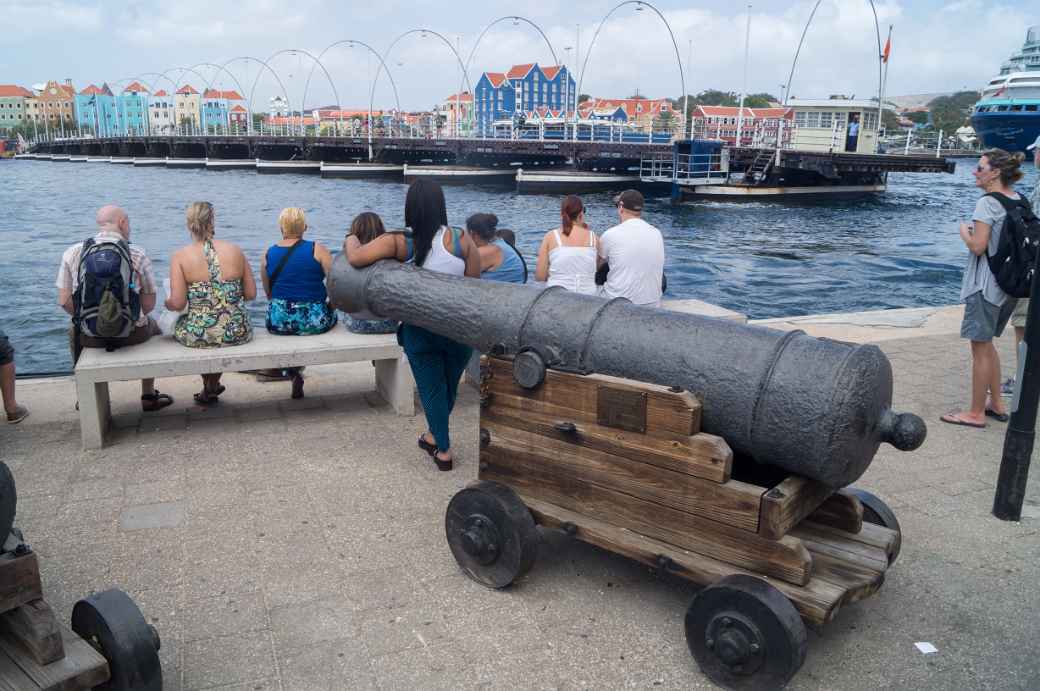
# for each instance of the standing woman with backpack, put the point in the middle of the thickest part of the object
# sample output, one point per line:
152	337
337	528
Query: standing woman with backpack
437	362
987	307
213	280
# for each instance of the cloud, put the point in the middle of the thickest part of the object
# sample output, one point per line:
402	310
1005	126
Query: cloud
936	46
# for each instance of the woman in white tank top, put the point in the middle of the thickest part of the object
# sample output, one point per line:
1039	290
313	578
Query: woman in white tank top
568	255
437	362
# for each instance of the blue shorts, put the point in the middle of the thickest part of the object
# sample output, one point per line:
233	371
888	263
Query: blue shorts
984	321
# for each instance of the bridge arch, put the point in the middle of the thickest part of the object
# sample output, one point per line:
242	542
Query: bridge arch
316	61
640	4
350	42
249	107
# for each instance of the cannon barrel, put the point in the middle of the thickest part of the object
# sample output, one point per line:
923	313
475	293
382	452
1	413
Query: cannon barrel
815	407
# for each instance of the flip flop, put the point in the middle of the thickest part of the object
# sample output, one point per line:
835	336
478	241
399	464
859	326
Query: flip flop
952	419
999	417
155	401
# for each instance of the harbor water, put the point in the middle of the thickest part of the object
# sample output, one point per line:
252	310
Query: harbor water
766	259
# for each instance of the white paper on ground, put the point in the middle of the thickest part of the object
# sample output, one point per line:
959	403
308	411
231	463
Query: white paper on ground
926	648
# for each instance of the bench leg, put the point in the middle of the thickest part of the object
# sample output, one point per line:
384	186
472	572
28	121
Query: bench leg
94	412
394	383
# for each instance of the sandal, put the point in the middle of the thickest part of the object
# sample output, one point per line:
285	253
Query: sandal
427	446
155	401
443	464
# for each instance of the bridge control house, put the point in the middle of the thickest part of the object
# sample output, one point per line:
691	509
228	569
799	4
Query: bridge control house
826	125
528	90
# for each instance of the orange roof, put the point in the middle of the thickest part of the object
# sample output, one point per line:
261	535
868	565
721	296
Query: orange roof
161	92
650	106
135	88
8	90
496	78
773	112
286	120
734	111
227	95
519	71
463	96
333	114
238	109
551	72
187	89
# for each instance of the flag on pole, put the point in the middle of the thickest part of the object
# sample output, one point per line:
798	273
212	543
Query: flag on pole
888	47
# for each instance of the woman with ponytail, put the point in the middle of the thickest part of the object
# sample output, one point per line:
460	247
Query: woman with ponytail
437	362
568	254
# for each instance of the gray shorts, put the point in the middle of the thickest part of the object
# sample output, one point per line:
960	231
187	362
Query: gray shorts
984	321
6	350
1018	317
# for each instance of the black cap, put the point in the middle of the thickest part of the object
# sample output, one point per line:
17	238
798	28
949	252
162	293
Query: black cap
630	199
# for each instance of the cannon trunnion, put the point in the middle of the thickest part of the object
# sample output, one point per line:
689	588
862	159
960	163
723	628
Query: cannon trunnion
627	466
813	407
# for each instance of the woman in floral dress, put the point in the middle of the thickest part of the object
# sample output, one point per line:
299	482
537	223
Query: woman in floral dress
213	280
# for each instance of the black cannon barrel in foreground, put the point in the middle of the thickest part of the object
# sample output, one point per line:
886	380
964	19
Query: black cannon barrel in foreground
815	407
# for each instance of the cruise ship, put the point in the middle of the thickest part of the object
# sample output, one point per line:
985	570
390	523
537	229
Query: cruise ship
1008	116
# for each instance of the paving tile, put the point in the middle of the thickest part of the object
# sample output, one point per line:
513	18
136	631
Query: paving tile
328	666
314	621
214	662
94	489
150	516
224	615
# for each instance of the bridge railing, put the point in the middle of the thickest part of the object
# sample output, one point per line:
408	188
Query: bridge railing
685	169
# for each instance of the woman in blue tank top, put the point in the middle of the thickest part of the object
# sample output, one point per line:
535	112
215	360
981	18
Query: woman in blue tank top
293	272
499	260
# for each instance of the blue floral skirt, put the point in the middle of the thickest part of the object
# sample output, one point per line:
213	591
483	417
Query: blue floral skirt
291	318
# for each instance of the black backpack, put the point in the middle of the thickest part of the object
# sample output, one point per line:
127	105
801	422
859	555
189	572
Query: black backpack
106	305
1014	262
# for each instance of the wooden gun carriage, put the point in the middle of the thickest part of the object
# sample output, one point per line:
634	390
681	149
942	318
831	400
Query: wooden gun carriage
720	457
110	645
625	466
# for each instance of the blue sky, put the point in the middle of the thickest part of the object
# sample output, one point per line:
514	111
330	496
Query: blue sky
937	46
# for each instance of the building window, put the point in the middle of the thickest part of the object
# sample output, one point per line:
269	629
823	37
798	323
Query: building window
826	120
800	119
812	119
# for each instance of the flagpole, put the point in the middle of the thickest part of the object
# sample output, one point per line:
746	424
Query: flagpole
881	94
743	88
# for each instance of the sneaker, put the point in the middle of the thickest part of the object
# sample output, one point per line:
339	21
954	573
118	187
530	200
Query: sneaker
19	414
1008	387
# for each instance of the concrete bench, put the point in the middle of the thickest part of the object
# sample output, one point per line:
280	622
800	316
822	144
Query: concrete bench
163	357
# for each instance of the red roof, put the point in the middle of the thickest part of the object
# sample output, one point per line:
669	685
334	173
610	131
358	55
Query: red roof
187	89
286	120
519	71
463	97
161	92
135	88
226	95
634	107
551	72
734	111
238	109
8	90
91	91
496	78
333	114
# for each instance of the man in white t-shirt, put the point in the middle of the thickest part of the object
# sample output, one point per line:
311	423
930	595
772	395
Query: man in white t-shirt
635	251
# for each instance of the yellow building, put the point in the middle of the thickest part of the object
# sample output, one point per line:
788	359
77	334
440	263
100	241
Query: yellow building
187	108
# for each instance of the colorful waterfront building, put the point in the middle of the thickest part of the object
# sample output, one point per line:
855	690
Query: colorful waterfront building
759	126
132	110
52	107
13	110
216	108
96	110
238	117
187	107
524	90
640	113
455	112
162	114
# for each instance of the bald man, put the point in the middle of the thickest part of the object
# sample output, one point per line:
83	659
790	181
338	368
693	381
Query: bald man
113	225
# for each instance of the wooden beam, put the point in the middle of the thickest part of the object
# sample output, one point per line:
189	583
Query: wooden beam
788	503
36	628
534	478
81	668
668	414
842	511
19	580
704	455
817	601
733	503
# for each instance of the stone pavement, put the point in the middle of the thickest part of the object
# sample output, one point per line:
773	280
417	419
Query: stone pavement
282	544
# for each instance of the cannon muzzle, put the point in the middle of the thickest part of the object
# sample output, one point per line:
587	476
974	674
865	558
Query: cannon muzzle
813	406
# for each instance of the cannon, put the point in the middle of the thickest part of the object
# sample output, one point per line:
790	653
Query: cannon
712	451
815	407
110	645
